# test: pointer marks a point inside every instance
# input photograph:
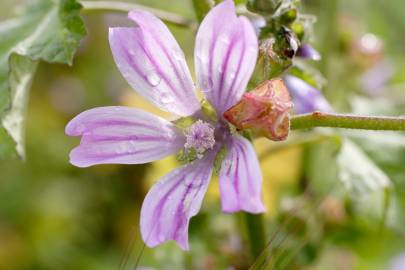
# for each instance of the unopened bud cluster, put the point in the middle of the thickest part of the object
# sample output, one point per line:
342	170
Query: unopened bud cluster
282	35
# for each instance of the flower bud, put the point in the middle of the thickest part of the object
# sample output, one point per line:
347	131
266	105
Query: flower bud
305	97
277	52
306	51
263	6
264	111
288	16
287	42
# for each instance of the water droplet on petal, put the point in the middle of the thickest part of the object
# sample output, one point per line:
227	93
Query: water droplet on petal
132	143
178	55
252	50
166	98
169	135
226	165
132	53
207	85
202	59
224	40
153	78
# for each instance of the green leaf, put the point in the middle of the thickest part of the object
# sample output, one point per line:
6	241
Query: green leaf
348	172
308	74
202	7
358	172
370	187
49	31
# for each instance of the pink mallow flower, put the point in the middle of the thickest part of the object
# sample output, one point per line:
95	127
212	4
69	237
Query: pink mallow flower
152	62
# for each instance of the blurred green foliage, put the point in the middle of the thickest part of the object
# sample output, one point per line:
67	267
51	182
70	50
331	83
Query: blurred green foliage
56	216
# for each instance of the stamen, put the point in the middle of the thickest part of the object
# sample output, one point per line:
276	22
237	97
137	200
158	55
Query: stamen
200	137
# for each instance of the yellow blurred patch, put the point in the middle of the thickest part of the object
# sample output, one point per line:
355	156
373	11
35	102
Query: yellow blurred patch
131	99
160	168
279	169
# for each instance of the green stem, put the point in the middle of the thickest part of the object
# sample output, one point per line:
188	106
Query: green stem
321	119
90	6
256	233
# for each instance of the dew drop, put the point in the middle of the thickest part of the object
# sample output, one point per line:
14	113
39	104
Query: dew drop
166	98
161	237
224	40
226	165
207	85
121	149
179	56
169	136
132	143
127	74
202	59
153	78
252	49
132	53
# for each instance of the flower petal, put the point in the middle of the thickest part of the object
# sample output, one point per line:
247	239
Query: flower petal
169	205
306	51
122	135
225	55
306	98
240	178
152	62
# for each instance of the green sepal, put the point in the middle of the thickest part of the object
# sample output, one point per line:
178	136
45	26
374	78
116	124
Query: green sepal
219	159
184	123
208	110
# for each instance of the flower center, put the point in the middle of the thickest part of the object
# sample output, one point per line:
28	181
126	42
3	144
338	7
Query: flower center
200	137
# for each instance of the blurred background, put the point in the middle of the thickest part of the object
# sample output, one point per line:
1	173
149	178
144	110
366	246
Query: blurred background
56	216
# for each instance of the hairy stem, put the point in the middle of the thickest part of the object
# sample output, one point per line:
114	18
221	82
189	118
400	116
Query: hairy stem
89	6
321	119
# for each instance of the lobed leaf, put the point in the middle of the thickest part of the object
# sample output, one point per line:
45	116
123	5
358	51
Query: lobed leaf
49	31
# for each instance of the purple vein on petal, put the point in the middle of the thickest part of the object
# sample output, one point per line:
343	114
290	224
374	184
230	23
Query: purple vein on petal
190	190
232	87
122	135
166	53
224	73
154	64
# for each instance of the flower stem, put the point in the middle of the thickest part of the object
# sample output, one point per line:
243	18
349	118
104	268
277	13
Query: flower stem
321	119
255	232
89	6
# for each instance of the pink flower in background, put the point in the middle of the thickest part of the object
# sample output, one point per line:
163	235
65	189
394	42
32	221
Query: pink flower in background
152	62
305	97
306	51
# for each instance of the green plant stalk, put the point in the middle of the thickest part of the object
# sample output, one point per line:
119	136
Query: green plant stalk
117	6
255	232
328	34
321	119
